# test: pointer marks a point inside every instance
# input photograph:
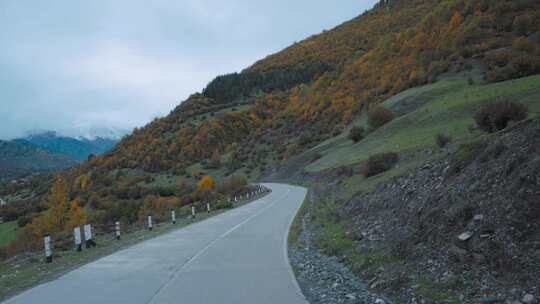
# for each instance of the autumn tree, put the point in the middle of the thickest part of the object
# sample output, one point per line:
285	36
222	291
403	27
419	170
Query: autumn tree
61	216
77	216
205	183
455	21
203	192
58	204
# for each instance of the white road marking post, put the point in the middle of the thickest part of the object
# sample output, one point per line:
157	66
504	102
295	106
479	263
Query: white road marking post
208	207
88	240
193	213
117	230
77	237
173	216
48	249
150	224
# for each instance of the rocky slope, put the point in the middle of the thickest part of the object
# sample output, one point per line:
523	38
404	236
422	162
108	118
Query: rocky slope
462	228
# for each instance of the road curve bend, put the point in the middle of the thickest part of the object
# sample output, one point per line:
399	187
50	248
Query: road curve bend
237	257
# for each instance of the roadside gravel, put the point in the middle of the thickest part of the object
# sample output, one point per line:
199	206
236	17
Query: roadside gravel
323	279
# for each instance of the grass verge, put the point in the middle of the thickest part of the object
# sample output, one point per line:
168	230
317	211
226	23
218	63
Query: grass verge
296	226
7	232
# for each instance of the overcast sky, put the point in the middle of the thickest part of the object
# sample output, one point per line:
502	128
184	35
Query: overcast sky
73	65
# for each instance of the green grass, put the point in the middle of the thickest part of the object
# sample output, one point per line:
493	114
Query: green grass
447	107
439	292
7	232
335	240
294	231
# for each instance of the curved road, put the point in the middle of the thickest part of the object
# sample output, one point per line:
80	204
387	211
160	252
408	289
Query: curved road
236	257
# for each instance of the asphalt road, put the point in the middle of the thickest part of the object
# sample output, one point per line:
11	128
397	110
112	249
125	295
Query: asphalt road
236	257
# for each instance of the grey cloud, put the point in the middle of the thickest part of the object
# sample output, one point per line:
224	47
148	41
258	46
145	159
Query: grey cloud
66	64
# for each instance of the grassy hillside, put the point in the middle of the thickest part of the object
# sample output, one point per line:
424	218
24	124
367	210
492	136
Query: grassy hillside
445	107
399	229
7	232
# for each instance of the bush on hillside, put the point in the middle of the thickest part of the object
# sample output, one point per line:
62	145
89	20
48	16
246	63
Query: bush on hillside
379	163
25	219
316	157
496	116
356	134
442	140
232	184
380	116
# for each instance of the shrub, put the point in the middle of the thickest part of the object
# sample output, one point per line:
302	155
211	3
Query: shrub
356	134
465	154
380	163
380	116
442	140
232	184
496	116
186	200
305	139
25	219
316	157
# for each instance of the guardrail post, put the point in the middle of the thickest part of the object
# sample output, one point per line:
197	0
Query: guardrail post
150	224
117	230
193	212
77	237
88	240
173	216
208	207
48	249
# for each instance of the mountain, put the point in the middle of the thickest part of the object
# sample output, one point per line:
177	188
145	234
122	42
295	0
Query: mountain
93	132
439	184
76	148
19	159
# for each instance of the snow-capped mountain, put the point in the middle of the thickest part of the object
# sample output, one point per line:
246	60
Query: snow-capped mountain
93	132
80	147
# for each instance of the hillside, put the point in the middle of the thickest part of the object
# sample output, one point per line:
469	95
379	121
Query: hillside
299	97
19	159
408	219
425	68
75	148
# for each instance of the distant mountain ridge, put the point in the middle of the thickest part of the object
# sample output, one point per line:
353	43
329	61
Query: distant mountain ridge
48	151
18	159
78	149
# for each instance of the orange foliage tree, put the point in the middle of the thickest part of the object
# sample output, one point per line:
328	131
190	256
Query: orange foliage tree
61	217
205	183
